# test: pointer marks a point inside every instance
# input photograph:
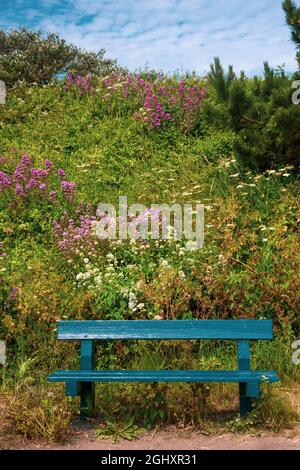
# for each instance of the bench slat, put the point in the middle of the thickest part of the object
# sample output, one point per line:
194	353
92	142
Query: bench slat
164	376
165	329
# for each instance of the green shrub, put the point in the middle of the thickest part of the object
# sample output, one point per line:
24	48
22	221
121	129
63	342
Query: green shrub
37	413
292	13
261	112
28	56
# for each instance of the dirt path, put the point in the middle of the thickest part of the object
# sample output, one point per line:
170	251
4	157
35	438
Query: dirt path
173	439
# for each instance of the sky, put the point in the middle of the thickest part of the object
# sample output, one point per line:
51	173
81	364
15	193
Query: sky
168	35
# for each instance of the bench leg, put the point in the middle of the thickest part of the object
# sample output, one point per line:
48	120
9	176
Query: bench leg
87	389
245	402
87	399
247	392
72	389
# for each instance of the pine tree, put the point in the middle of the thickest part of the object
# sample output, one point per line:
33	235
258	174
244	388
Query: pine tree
260	111
292	14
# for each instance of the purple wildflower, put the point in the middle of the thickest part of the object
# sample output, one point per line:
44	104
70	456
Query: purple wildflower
13	293
52	195
26	160
61	173
68	189
19	190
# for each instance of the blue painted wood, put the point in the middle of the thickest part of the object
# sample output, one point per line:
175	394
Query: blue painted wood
225	376
87	388
87	357
87	399
244	364
245	400
165	329
82	381
244	355
72	389
253	390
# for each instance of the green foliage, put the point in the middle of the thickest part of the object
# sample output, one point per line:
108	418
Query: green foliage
28	56
259	110
121	158
116	431
293	20
248	267
221	81
261	113
272	411
38	414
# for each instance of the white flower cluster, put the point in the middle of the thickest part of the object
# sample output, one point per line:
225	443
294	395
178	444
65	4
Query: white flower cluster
92	275
122	269
134	305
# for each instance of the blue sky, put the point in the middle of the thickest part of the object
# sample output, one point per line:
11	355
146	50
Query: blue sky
165	34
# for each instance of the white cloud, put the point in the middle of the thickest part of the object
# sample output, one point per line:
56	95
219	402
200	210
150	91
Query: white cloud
171	34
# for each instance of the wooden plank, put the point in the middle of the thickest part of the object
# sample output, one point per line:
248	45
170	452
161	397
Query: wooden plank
87	355
253	390
244	355
165	329
72	389
164	376
87	388
244	364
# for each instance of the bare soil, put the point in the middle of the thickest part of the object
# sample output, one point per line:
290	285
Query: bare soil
81	436
173	439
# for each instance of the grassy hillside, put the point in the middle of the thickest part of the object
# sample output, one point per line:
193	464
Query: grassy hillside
248	268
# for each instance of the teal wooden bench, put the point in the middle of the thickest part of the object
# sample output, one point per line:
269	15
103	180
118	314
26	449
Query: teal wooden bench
81	382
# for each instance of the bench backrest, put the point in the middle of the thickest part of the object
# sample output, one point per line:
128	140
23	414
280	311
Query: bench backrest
165	329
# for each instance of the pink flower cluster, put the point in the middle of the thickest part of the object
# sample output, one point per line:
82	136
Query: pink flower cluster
76	237
153	112
159	100
68	189
13	293
83	84
24	180
137	224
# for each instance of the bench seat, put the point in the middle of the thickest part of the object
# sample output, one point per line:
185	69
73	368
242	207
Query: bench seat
226	376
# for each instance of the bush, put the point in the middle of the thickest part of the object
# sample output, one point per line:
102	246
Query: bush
37	413
272	411
292	14
30	57
261	112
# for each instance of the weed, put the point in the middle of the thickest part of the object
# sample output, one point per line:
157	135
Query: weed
116	431
36	413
